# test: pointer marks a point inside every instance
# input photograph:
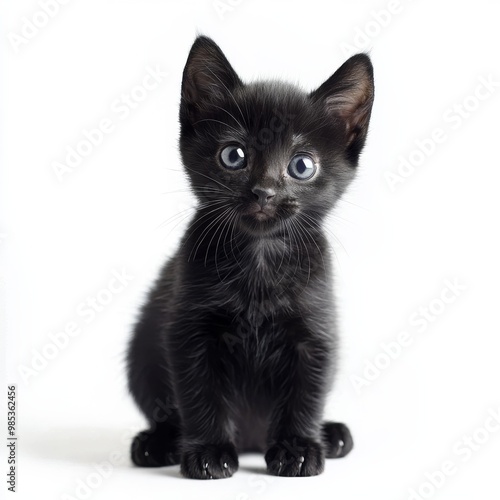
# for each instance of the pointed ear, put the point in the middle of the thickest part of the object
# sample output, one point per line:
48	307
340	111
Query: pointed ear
347	96
207	77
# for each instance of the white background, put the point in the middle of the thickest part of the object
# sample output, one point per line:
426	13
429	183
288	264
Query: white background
61	240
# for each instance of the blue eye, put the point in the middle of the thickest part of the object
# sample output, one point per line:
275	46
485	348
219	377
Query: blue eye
233	157
302	167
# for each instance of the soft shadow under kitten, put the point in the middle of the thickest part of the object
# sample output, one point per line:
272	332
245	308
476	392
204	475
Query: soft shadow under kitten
235	347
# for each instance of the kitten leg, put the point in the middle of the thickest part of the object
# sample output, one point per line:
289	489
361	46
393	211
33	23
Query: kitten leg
159	445
337	439
207	444
150	386
295	440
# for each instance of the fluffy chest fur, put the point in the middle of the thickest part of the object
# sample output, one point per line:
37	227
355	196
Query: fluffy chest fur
260	278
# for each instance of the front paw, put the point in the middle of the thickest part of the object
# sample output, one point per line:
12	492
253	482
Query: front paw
295	456
209	461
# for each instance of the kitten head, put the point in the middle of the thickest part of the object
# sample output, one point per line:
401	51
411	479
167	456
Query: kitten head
267	152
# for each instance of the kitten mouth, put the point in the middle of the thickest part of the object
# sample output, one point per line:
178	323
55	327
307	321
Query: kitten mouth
258	220
258	213
261	216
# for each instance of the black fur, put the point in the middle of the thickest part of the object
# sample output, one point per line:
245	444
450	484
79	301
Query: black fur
235	347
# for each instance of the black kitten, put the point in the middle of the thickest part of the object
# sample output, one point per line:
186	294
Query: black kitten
235	347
